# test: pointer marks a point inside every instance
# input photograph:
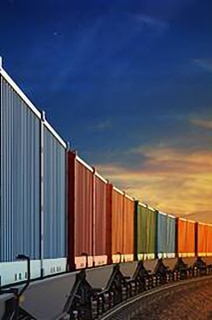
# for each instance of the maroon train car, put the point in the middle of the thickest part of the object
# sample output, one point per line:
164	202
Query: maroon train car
87	211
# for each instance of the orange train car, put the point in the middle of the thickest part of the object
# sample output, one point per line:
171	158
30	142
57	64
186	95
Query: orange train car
185	237
122	225
204	239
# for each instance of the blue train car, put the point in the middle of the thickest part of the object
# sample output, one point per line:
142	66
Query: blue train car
53	215
165	235
33	189
20	183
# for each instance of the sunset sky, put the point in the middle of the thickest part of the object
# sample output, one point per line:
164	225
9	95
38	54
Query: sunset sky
129	84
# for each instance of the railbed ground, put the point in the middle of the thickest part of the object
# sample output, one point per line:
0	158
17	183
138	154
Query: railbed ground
191	300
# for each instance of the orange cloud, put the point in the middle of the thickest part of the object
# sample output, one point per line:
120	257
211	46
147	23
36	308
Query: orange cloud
172	180
202	123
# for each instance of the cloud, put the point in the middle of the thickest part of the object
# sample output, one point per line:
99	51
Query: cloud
104	125
172	180
150	22
205	64
202	123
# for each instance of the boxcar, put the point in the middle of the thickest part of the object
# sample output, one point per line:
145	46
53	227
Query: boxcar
204	239
185	237
117	216
100	220
165	235
171	236
32	209
128	228
145	222
121	210
53	208
87	215
20	183
80	212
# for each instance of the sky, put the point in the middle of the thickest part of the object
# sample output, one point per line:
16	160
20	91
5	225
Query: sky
129	84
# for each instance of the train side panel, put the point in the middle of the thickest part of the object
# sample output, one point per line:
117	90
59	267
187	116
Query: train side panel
146	231
204	239
117	224
202	234
54	203
186	238
128	229
20	184
209	240
71	210
141	215
162	229
171	236
151	233
109	223
83	214
100	220
80	212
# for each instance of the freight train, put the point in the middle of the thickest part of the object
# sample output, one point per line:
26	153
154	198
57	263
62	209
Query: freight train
59	211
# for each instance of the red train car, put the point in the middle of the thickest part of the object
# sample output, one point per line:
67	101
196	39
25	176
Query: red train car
87	215
100	211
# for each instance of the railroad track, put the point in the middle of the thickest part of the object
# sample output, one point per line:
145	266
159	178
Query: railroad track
186	300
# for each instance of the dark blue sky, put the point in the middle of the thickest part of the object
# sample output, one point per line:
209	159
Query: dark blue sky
115	76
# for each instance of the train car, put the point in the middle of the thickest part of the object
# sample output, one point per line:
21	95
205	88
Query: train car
145	235
165	235
20	183
87	215
209	240
122	225
101	232
171	236
185	237
204	239
53	201
32	189
128	228
80	212
117	225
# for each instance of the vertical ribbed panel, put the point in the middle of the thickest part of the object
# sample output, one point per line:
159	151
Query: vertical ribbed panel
171	234
162	233
117	222
54	197
20	168
83	214
100	217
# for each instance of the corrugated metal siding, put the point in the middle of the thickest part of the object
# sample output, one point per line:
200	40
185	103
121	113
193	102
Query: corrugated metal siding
128	226
100	217
151	231
71	208
190	243
83	210
54	197
202	238
20	177
162	233
142	229
182	235
146	230
171	234
186	236
117	222
209	239
109	223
